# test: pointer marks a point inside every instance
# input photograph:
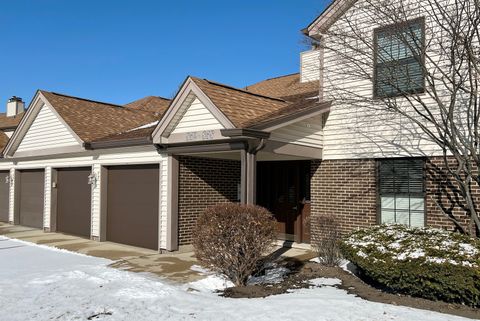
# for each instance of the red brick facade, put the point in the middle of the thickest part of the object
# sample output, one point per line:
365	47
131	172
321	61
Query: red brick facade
203	182
347	189
440	192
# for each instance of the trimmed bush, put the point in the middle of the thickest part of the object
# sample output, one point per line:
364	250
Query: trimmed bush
232	239
423	262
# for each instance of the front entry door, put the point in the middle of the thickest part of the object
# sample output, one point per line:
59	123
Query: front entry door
283	188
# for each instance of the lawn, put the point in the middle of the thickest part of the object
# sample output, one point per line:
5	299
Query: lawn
41	283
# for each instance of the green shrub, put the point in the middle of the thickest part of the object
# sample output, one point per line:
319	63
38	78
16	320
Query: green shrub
423	262
233	239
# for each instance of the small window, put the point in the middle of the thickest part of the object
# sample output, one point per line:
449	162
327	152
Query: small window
402	192
399	59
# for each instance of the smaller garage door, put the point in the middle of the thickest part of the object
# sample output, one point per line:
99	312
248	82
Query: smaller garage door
4	193
74	201
132	205
31	198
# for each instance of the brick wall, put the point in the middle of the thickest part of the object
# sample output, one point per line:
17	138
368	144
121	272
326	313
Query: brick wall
442	199
347	189
203	182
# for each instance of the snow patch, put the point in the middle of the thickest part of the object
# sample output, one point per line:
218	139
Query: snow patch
152	124
210	284
325	282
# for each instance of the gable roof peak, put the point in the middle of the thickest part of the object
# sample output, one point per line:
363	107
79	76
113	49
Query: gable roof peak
329	15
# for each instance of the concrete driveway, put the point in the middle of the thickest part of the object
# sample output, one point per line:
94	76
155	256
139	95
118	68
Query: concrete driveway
175	267
172	266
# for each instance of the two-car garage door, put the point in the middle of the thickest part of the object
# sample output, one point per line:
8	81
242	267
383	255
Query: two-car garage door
73	200
132	205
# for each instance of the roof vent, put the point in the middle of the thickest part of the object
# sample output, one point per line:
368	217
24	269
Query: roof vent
15	106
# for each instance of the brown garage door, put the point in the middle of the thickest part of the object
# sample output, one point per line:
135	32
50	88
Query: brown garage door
132	205
73	201
31	198
4	192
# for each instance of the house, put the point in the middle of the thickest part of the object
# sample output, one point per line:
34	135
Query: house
10	119
141	173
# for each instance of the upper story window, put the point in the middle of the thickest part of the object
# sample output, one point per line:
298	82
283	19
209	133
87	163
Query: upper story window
402	191
399	59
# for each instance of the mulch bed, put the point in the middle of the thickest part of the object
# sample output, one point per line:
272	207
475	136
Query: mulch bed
302	272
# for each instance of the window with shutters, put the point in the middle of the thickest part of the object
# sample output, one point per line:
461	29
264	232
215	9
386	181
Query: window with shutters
402	191
399	59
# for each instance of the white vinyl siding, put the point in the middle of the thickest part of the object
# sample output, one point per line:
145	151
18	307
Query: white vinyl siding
163	202
11	199
197	117
95	206
47	199
307	132
355	131
310	65
47	131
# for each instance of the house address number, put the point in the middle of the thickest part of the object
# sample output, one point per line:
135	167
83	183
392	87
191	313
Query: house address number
201	135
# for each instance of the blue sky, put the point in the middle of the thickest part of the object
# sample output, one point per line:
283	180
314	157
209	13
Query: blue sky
119	51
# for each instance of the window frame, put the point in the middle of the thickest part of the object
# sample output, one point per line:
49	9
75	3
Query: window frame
376	31
379	195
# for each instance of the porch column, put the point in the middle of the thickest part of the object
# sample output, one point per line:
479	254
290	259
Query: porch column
249	177
172	204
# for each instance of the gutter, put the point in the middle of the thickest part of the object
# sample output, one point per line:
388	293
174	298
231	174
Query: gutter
244	133
321	108
239	139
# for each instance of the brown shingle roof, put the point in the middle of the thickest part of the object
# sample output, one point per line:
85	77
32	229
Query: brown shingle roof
252	108
128	135
150	103
91	120
284	87
240	106
3	140
301	104
10	122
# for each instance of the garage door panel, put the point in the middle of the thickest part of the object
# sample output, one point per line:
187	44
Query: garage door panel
4	195
132	205
32	187
74	201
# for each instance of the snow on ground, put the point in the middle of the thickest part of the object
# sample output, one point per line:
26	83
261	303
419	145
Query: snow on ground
39	283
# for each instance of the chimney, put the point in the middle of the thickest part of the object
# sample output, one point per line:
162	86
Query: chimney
15	106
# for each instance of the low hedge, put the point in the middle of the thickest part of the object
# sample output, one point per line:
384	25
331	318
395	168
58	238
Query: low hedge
423	262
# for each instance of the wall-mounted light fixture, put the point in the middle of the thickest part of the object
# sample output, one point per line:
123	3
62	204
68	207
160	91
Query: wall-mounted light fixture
9	179
92	179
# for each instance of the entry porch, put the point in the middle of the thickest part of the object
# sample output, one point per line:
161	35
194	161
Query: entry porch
247	170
